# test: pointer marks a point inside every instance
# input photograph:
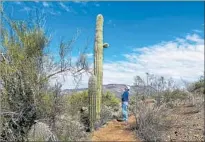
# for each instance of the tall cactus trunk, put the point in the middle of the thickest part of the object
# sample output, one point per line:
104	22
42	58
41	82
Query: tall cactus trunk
98	61
92	91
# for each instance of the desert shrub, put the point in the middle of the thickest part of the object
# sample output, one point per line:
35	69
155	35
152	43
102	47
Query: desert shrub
197	87
105	116
199	84
41	132
202	90
45	106
134	103
26	68
150	119
151	122
76	101
21	112
70	129
80	99
174	95
169	105
110	100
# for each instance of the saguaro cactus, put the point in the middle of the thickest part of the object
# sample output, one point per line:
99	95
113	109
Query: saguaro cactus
92	90
98	60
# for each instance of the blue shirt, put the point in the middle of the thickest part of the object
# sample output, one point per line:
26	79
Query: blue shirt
125	96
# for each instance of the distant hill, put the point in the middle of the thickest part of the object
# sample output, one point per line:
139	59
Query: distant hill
116	89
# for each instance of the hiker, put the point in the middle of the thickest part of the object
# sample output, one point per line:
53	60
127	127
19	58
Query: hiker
125	99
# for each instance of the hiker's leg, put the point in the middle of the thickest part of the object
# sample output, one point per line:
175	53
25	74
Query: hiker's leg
123	111
126	112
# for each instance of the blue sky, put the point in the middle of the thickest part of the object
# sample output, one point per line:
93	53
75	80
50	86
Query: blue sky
138	32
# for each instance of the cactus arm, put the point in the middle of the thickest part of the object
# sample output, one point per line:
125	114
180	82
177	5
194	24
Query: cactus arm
92	91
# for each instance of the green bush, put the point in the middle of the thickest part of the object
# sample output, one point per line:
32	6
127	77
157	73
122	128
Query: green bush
106	115
45	105
80	99
77	100
199	84
197	87
110	100
174	95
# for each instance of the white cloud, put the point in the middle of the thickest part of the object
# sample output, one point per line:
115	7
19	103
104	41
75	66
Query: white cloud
64	7
195	38
27	9
90	55
176	59
197	31
45	4
54	12
68	81
18	2
181	58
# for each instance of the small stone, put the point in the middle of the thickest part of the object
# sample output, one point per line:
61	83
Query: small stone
103	126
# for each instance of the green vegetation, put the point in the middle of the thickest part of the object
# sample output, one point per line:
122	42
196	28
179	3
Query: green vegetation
78	103
174	95
77	100
198	86
80	99
26	95
110	100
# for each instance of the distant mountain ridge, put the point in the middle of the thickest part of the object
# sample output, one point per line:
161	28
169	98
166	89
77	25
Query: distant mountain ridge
116	89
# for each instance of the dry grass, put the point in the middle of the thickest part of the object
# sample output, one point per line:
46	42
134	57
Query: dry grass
151	122
67	129
170	121
41	132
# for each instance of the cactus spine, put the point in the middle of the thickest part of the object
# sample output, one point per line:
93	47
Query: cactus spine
92	85
98	60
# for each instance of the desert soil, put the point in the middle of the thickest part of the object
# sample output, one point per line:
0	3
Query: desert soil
116	131
187	125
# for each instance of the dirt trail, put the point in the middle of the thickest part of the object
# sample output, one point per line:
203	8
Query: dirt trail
116	131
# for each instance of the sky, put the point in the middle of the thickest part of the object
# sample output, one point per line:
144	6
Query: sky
161	38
